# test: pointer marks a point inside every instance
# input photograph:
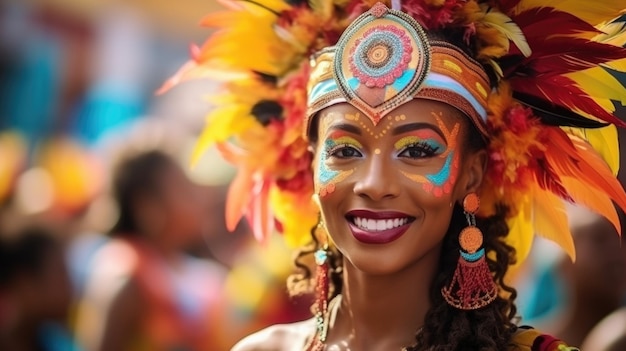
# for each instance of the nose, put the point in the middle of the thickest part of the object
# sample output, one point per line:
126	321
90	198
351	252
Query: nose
376	179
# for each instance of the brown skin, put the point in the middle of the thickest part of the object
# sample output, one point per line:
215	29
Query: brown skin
168	220
386	286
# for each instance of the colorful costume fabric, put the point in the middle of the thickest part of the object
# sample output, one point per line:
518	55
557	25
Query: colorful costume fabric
528	339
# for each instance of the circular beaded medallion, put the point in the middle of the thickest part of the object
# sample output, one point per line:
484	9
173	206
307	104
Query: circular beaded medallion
382	58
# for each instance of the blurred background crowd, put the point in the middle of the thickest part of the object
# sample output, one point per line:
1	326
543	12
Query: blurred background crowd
109	240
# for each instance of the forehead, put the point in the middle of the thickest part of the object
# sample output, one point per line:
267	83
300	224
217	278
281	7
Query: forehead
417	110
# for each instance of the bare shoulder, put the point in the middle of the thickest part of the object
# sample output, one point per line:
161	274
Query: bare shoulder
280	337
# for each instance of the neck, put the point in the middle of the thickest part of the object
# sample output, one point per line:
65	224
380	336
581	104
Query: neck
385	311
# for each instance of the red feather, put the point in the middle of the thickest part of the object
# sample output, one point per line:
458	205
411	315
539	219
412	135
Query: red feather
536	22
559	55
549	180
563	91
576	159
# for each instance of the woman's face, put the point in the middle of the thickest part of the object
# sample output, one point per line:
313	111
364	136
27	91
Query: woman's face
177	208
387	191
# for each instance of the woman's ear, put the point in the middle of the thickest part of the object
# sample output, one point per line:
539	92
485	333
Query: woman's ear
476	168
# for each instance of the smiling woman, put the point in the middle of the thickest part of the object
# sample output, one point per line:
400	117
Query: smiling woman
439	137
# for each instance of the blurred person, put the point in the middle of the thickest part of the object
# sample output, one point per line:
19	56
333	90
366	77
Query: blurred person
570	298
609	334
35	292
254	292
143	292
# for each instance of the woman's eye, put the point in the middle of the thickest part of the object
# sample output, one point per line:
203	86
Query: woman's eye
422	150
344	151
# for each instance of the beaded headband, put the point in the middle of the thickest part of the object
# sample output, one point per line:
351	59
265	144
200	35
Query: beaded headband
384	59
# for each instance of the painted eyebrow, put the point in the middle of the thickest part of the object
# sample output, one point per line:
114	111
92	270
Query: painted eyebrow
409	127
346	128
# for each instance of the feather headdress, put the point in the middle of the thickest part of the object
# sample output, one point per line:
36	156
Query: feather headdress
550	120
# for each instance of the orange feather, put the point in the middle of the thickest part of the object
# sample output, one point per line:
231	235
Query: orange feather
550	220
585	175
259	213
592	199
238	198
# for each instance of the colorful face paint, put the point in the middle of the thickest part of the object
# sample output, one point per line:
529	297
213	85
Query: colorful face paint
328	178
441	182
427	140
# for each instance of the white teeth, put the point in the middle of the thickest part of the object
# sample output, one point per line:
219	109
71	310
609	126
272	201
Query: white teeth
377	225
381	225
371	225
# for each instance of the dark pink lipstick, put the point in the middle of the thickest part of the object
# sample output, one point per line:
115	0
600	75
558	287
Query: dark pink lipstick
371	227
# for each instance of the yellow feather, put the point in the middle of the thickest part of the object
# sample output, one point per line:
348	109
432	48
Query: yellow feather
603	140
223	123
617	65
274	5
550	220
505	25
613	33
252	31
597	82
521	231
592	12
322	7
256	6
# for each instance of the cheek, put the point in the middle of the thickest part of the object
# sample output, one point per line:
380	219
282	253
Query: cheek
327	179
441	182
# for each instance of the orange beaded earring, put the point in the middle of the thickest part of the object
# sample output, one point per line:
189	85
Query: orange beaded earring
472	286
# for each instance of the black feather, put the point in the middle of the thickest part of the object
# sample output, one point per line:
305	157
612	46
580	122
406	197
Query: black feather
266	78
555	115
267	110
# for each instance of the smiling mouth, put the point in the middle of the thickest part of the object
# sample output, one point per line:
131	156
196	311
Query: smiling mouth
379	225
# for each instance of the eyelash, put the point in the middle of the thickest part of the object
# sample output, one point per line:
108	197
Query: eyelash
423	148
333	151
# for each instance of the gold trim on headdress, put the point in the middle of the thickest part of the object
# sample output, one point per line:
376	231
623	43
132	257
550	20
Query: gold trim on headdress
454	78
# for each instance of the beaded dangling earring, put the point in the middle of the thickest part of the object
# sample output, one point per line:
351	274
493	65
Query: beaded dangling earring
472	286
321	289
